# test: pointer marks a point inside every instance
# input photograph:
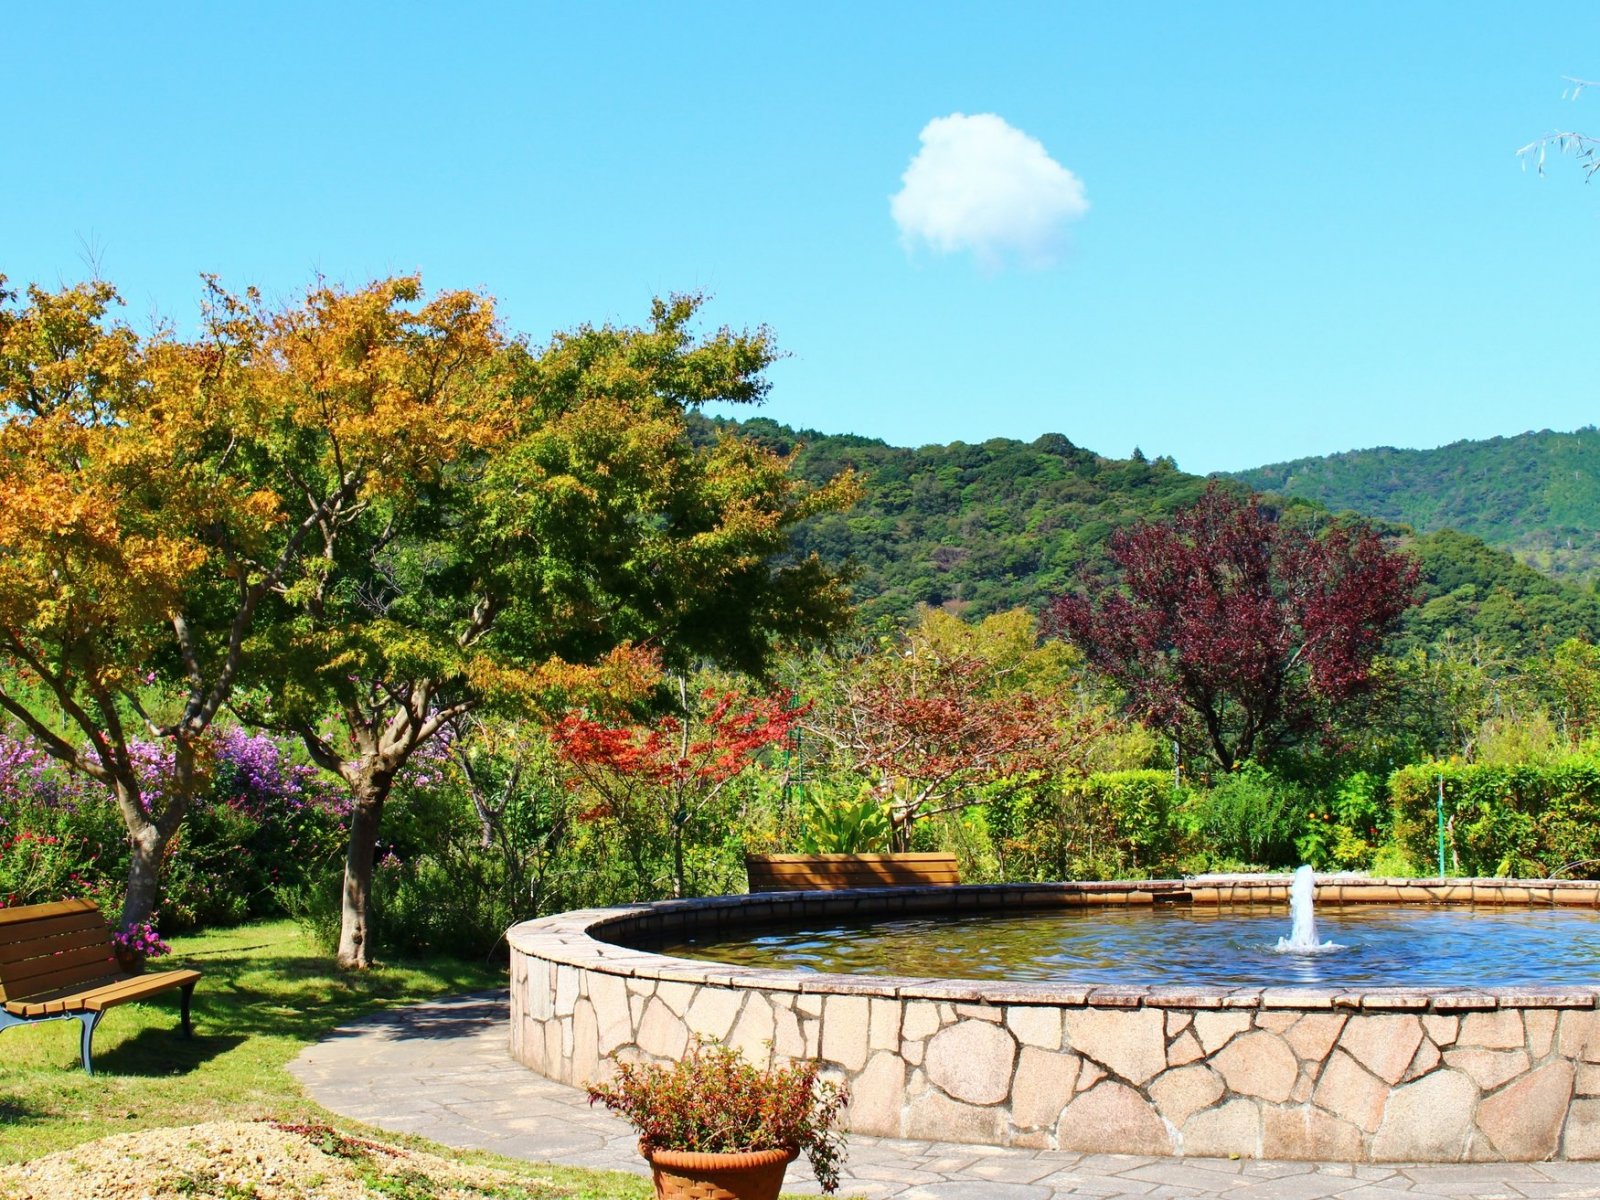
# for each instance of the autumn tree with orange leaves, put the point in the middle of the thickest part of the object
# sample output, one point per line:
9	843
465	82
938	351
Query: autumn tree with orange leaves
139	541
535	525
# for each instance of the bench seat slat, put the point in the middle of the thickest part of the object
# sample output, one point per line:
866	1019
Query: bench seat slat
869	869
911	858
49	1002
108	992
826	883
861	872
859	881
137	987
861	868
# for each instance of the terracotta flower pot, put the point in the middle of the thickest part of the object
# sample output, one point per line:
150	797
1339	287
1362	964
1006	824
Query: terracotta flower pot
130	961
688	1175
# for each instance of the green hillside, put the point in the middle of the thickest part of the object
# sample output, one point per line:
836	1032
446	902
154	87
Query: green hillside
975	528
982	528
1536	494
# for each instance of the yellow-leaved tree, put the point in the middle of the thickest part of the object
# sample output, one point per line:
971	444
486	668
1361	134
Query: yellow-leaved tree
138	540
361	516
532	523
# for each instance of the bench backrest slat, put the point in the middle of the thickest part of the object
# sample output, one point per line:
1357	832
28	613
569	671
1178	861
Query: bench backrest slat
39	931
59	970
24	913
73	939
46	947
830	872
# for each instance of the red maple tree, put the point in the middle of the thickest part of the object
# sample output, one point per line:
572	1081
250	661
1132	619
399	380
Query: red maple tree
929	728
1236	631
675	766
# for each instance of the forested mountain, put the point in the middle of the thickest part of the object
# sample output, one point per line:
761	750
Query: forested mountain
982	528
975	528
1536	494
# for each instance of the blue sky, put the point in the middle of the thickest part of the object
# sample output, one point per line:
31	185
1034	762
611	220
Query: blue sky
1306	229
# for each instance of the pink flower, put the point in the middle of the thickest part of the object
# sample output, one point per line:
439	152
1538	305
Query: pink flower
141	940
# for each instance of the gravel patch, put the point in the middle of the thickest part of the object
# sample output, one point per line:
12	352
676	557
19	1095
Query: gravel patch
238	1160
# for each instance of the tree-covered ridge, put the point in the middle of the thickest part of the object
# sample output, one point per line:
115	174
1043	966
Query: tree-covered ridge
979	529
1473	590
1535	494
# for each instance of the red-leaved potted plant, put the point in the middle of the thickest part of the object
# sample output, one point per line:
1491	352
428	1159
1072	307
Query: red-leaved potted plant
715	1127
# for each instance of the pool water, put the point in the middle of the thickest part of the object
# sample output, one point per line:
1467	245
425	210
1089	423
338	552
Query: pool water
1180	945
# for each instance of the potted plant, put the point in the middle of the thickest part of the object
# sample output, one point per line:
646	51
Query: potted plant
134	945
715	1127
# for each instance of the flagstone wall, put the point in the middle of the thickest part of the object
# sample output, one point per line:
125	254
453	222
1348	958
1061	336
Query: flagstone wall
1383	1075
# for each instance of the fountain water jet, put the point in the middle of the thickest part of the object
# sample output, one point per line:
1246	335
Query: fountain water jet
1302	937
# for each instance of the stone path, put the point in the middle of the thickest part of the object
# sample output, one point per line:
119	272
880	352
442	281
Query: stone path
441	1070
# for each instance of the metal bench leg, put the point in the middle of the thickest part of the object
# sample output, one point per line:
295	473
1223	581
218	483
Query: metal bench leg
188	994
88	1020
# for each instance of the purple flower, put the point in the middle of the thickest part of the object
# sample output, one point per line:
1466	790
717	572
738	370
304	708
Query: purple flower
141	941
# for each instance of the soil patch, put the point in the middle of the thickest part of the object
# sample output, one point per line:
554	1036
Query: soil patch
256	1160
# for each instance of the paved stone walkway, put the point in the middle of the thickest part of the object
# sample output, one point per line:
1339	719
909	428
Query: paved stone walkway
441	1070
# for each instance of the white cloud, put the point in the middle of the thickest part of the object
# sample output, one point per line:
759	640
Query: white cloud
980	184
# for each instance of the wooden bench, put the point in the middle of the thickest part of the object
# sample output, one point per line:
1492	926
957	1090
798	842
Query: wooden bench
57	963
830	872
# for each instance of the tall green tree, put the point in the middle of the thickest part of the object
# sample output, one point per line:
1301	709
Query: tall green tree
1569	681
554	519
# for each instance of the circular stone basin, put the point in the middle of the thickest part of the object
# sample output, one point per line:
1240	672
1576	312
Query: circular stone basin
1153	1018
1373	945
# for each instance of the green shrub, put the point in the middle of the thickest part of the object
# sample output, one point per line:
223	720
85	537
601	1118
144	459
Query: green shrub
842	824
1102	826
1343	834
259	824
1391	861
1500	820
1250	816
58	836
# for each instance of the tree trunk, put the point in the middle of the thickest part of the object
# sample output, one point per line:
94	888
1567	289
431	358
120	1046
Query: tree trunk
355	929
899	830
677	861
148	839
144	876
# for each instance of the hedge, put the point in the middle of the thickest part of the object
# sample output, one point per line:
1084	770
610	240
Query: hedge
1517	820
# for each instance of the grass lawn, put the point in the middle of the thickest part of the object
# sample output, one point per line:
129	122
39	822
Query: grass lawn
267	992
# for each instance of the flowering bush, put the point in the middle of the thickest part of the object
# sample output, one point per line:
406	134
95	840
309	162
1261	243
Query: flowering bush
715	1102
261	824
140	941
57	837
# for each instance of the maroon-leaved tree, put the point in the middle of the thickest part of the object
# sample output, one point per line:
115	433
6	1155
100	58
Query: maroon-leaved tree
1235	631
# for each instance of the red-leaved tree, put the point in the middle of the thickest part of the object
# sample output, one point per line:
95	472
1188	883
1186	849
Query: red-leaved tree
1235	631
929	727
673	768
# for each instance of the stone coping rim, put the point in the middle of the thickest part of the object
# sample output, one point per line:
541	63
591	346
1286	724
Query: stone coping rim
570	939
